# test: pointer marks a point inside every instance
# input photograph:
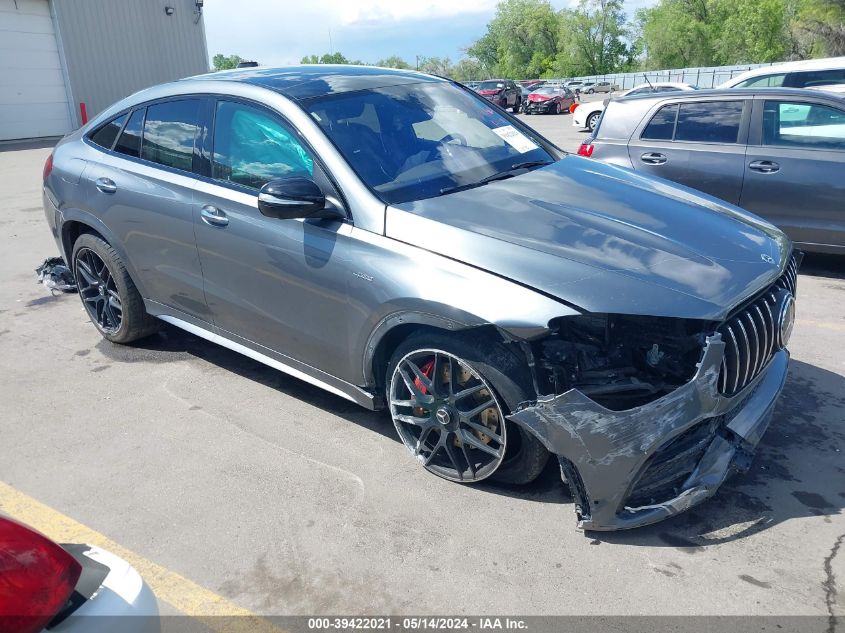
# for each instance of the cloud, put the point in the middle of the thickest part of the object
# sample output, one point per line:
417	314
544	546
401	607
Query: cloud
277	33
376	11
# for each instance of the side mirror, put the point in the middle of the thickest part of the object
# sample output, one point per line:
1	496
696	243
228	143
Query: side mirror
295	197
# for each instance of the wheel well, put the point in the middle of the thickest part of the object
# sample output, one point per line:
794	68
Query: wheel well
389	342
71	231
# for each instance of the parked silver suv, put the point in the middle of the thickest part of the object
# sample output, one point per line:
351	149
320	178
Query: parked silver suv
390	237
777	152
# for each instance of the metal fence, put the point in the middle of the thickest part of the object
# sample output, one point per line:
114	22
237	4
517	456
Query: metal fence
706	77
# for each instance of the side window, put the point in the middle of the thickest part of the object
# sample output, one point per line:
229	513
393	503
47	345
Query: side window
662	124
803	125
252	147
129	142
104	137
766	81
817	78
709	121
170	131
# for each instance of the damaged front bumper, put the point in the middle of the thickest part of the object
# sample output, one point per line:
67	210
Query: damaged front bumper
631	468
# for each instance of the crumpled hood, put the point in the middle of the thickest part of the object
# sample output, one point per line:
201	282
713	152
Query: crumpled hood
489	92
603	238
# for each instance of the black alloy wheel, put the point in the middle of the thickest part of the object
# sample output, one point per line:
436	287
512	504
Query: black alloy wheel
98	290
447	415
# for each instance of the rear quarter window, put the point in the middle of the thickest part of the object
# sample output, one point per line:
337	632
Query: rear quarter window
662	124
106	135
129	142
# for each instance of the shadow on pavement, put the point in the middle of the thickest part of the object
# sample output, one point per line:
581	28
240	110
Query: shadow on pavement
819	265
806	429
806	426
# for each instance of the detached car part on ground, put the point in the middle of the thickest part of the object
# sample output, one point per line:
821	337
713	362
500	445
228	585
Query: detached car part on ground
504	300
69	588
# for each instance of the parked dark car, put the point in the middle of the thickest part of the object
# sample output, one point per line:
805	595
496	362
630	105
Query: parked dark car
549	100
775	151
390	237
503	92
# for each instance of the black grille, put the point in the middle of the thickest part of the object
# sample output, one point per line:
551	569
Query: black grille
668	469
752	334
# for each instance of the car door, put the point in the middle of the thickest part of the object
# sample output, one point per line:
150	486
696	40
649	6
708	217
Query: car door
142	189
794	168
274	284
698	143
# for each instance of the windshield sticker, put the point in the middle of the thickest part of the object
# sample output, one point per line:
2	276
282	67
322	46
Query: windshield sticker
516	139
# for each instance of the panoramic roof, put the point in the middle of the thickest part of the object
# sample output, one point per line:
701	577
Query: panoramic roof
317	80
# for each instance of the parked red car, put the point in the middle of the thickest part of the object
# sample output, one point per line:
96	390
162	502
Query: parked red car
549	100
503	92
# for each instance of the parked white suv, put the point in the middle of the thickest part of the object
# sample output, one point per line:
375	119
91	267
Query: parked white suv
804	74
587	115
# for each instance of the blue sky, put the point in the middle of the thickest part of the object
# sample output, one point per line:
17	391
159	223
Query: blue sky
368	30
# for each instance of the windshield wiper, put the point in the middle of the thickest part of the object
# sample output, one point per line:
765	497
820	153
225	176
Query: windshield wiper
530	163
502	175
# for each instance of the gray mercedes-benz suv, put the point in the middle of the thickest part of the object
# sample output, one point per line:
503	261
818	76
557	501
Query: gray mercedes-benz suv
394	239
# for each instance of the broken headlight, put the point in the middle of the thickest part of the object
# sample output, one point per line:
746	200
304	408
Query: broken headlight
619	361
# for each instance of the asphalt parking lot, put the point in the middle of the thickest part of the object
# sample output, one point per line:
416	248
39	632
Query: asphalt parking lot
283	499
558	128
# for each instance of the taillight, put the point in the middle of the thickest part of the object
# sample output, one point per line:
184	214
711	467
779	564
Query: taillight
36	578
573	107
586	149
48	167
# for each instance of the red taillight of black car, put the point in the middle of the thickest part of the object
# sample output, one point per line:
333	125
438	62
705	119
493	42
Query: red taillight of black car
586	150
36	578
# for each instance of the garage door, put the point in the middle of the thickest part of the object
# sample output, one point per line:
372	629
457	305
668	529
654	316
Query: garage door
33	99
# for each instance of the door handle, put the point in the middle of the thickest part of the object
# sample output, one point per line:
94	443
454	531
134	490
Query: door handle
764	166
106	185
213	216
653	158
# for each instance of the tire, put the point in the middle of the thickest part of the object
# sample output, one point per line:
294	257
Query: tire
516	106
523	458
117	294
558	108
593	120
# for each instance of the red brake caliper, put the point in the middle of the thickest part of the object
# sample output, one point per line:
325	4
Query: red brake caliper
427	370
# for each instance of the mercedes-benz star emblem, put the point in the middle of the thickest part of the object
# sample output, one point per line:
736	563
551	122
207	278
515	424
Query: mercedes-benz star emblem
443	416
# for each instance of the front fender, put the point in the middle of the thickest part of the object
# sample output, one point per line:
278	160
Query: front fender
395	284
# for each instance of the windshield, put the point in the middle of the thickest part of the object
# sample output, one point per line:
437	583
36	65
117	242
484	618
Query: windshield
491	85
548	90
420	140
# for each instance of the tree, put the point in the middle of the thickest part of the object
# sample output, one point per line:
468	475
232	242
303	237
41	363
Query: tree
224	62
750	31
594	38
676	34
468	69
821	26
394	61
521	40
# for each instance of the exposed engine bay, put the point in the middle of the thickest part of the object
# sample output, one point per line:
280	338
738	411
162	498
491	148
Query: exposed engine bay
621	362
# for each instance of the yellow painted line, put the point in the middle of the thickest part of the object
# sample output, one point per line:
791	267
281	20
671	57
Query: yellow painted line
213	610
826	325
